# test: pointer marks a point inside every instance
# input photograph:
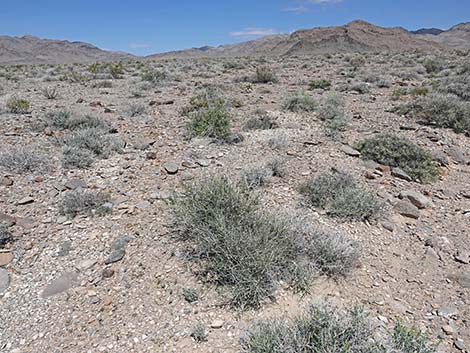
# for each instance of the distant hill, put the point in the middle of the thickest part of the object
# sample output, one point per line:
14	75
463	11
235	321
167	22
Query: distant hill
457	37
32	50
431	31
357	36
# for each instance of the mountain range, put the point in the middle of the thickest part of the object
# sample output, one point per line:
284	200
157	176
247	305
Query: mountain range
356	36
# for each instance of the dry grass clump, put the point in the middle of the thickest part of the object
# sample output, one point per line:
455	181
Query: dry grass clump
21	160
85	202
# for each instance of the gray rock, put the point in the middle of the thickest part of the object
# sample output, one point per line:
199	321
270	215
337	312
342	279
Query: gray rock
399	173
25	201
203	162
416	198
459	344
74	184
456	154
7	219
441	158
118	249
65	248
388	226
171	167
61	284
350	151
143	205
4	280
447	311
407	209
464	279
463	256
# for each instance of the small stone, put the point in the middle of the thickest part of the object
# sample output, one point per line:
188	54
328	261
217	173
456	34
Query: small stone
350	151
6	181
171	167
449	330
61	284
86	264
108	273
217	324
65	248
407	209
388	226
203	162
400	174
385	169
143	205
6	258
4	280
115	256
107	300
7	219
371	176
456	154
416	198
459	344
25	201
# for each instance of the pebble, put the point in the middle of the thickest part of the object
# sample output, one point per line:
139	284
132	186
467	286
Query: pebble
25	201
448	329
447	311
416	198
4	280
459	344
399	173
216	324
171	167
350	151
407	209
61	284
6	258
463	256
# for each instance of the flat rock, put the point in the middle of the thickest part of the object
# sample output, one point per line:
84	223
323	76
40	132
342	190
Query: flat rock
400	174
350	151
407	209
6	258
447	311
61	284
118	249
463	256
74	184
7	219
217	324
4	280
416	198
171	167
6	181
25	201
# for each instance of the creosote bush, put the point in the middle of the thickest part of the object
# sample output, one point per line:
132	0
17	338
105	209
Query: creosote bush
64	120
260	121
320	84
264	75
325	328
243	248
396	151
22	160
85	202
18	106
300	102
341	196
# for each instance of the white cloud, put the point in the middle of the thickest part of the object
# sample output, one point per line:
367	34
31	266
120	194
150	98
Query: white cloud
296	9
253	32
139	45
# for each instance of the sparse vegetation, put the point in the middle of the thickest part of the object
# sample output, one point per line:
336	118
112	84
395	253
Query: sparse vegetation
410	340
320	84
85	202
213	121
18	106
50	93
199	333
190	294
21	160
341	196
260	121
396	151
300	102
264	75
64	120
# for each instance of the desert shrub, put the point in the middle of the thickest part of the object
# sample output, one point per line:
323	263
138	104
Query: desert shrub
433	65
279	141
410	340
320	84
458	85
300	102
199	333
5	235
360	87
50	93
135	109
261	174
446	111
245	249
396	151
85	202
153	76
18	106
83	146
320	328
213	121
103	84
205	98
22	160
264	75
260	121
190	294
64	120
332	112
341	196
116	70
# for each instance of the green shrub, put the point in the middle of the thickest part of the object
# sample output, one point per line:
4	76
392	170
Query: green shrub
85	202
447	111
18	106
264	75
199	333
300	102
319	329
396	151
22	160
116	70
247	250
341	196
213	121
153	76
190	295
410	340
320	84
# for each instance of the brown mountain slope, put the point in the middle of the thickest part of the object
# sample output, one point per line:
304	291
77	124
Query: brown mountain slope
456	37
357	36
33	50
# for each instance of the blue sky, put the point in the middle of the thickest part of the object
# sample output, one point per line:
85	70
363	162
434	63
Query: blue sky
146	26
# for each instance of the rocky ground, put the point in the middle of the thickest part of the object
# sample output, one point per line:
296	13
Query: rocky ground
113	283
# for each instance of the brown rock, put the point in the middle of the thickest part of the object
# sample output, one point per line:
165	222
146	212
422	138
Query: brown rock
6	258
